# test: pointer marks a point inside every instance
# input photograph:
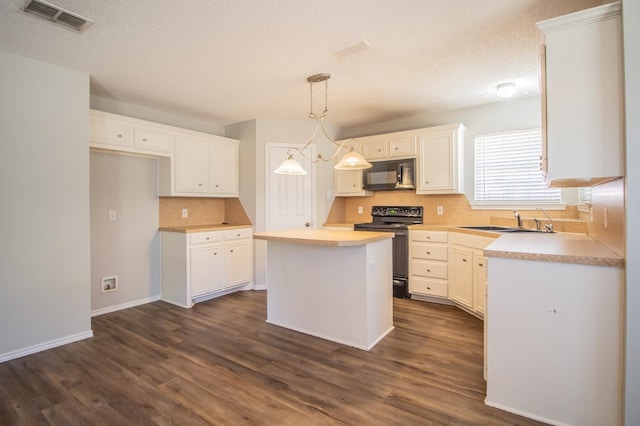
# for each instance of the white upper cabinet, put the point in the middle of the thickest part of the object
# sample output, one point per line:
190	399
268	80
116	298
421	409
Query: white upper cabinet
439	153
192	164
118	133
223	161
387	146
440	160
582	96
348	183
202	166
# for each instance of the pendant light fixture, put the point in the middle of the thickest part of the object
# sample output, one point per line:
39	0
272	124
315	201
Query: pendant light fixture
351	161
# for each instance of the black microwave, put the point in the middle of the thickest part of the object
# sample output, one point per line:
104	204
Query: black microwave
390	175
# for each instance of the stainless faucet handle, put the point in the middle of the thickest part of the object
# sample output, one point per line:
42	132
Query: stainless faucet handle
537	221
518	218
548	227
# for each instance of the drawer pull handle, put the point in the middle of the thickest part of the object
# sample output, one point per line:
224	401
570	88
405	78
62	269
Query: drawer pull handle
464	260
428	288
207	238
120	135
231	251
237	235
215	253
428	252
199	184
481	264
428	270
144	139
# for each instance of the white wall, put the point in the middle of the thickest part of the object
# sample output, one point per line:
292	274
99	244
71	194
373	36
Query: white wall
130	110
128	247
631	25
44	215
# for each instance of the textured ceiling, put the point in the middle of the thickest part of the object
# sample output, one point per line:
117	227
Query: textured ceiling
235	60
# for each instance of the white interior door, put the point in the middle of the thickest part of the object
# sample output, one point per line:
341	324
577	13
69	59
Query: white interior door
290	199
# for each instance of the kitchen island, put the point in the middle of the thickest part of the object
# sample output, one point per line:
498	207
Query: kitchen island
336	285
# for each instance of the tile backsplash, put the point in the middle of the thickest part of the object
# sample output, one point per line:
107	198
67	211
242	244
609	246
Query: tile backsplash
456	209
201	211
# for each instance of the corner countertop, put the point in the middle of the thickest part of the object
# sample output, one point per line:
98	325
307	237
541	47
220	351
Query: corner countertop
559	247
324	237
203	228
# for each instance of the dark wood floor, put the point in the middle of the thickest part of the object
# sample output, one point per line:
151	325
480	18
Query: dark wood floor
221	363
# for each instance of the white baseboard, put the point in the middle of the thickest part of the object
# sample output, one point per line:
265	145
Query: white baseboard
44	346
126	305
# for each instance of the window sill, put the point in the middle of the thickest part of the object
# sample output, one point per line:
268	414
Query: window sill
517	206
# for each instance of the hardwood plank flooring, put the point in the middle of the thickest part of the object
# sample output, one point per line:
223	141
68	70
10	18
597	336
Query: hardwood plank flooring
221	363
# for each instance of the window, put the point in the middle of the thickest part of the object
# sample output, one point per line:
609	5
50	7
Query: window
507	169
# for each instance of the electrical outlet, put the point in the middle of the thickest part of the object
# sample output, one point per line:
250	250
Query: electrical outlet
112	215
360	210
440	210
185	213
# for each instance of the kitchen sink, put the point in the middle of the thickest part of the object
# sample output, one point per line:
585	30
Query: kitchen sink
503	229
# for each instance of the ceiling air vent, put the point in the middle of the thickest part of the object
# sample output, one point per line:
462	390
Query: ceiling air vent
57	14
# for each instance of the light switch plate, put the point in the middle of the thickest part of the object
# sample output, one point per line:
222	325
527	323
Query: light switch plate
185	213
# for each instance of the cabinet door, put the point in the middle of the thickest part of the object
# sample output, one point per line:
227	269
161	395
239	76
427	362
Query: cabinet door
237	263
436	162
152	140
206	269
461	276
479	282
581	58
109	133
375	149
402	147
224	169
191	165
348	183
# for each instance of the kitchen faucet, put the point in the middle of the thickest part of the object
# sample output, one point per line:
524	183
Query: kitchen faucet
518	218
549	226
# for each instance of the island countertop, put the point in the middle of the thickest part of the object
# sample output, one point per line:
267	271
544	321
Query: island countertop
323	237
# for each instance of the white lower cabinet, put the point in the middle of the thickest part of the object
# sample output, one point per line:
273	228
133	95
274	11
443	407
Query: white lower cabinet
206	268
468	271
200	265
428	264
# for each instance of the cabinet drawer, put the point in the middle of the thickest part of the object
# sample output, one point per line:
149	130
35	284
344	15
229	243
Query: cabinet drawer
429	287
235	234
205	237
429	269
110	133
422	250
152	140
430	236
402	147
375	149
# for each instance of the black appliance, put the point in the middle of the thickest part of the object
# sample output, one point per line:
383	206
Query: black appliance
390	175
397	220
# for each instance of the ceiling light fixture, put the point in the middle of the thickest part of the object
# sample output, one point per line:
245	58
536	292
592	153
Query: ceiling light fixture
351	161
506	90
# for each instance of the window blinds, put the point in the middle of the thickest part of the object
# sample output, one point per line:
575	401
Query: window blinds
507	169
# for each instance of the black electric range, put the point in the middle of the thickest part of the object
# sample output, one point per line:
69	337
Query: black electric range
396	219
